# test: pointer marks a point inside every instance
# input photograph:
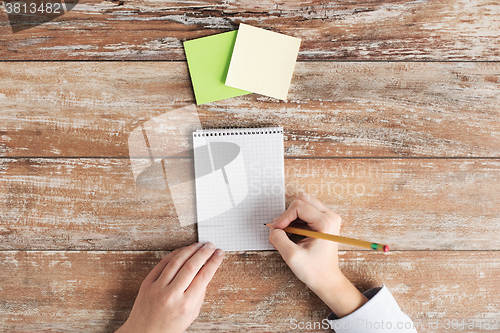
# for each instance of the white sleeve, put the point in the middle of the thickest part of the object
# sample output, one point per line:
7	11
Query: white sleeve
381	314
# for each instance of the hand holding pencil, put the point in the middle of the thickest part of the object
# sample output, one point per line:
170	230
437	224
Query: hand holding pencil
335	238
315	262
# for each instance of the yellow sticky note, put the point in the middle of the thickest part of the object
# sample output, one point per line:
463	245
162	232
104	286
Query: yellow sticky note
262	61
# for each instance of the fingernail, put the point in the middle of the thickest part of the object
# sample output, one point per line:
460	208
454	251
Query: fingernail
219	252
210	246
275	219
198	244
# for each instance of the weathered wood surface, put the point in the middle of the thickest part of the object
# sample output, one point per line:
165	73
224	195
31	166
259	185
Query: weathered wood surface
256	291
334	109
66	182
339	30
94	204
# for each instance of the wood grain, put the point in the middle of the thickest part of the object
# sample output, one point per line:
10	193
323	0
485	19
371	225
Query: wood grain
94	204
376	109
391	120
338	30
256	291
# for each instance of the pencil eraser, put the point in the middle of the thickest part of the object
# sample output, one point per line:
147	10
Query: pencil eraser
386	248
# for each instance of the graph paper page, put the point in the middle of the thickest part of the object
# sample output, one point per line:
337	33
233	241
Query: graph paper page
239	186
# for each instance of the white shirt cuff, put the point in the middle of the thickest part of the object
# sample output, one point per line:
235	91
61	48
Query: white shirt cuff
381	314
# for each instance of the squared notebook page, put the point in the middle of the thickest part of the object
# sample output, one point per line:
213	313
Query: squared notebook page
240	186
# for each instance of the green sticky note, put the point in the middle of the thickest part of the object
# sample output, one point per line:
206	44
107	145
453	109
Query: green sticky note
208	60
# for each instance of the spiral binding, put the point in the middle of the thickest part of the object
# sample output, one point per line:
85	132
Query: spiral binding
237	131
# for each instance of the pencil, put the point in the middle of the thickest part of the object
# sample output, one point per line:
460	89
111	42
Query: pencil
335	238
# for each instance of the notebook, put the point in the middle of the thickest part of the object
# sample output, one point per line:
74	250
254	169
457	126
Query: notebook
239	185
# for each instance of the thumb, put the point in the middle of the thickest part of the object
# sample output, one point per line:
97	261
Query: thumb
282	243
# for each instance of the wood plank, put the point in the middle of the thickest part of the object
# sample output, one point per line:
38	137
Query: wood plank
339	30
334	109
94	204
94	291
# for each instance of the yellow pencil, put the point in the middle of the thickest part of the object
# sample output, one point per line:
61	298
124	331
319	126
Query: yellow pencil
335	238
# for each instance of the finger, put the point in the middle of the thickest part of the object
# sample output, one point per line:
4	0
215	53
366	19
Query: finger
156	271
313	201
201	298
307	213
199	303
191	268
176	263
283	244
332	219
206	273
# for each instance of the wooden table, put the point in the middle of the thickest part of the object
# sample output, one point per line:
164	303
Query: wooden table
392	120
